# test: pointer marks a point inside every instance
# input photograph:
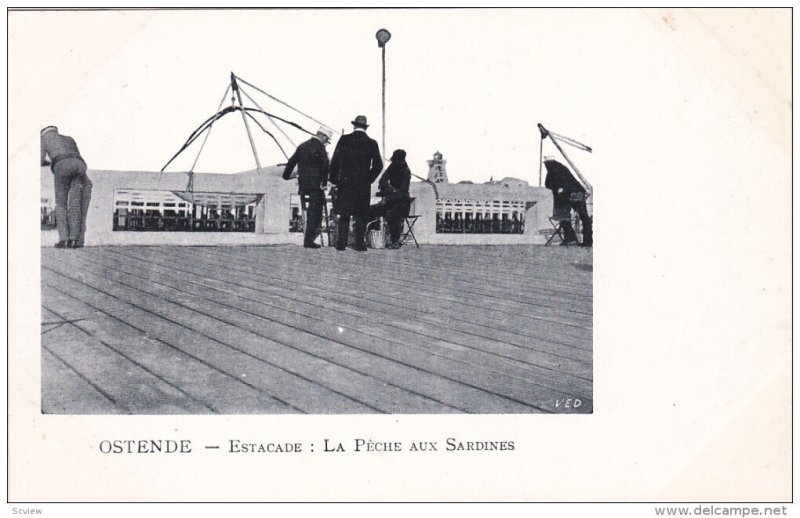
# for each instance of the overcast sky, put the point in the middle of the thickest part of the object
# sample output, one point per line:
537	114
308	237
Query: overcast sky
132	86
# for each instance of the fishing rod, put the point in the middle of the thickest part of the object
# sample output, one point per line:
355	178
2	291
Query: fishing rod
432	184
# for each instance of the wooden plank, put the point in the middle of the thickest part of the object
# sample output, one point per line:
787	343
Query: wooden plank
364	389
50	321
300	395
217	391
528	392
375	391
448	293
471	264
584	369
432	296
132	388
247	299
516	260
64	391
339	354
416	332
292	296
453	310
48	317
529	285
424	282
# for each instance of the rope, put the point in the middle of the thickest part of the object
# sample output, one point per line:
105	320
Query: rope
203	145
287	105
207	124
269	118
268	133
210	120
196	133
293	124
571	142
185	145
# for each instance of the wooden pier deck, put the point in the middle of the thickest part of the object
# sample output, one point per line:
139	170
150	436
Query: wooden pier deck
282	329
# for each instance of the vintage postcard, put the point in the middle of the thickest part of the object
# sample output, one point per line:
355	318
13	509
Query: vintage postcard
348	255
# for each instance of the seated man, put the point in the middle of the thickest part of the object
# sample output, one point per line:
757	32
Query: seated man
394	184
568	194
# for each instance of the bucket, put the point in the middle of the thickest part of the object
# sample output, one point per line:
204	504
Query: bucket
377	239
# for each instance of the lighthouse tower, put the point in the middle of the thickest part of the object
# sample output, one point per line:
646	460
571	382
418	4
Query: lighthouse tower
437	173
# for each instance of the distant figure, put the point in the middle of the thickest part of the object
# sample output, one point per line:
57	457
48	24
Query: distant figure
72	187
312	161
568	194
356	163
394	185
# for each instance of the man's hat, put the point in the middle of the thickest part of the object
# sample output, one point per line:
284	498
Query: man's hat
548	158
324	132
48	129
360	122
398	154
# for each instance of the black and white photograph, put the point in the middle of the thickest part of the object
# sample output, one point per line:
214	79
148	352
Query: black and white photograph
362	241
287	248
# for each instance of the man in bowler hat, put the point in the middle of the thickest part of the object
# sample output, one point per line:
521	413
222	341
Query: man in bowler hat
73	189
355	164
311	160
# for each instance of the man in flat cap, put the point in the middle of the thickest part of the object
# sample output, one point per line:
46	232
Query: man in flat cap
72	187
312	163
356	163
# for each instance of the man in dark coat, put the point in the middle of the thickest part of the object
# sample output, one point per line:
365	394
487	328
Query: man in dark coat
311	160
355	164
394	185
72	187
568	193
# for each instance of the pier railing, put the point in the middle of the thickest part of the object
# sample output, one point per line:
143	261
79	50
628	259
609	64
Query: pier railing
270	219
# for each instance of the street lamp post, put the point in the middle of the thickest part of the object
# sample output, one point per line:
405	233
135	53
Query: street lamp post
383	37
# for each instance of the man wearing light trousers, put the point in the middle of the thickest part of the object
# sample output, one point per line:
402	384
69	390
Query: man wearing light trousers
73	190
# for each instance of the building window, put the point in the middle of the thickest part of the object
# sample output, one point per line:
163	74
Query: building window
479	217
167	211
